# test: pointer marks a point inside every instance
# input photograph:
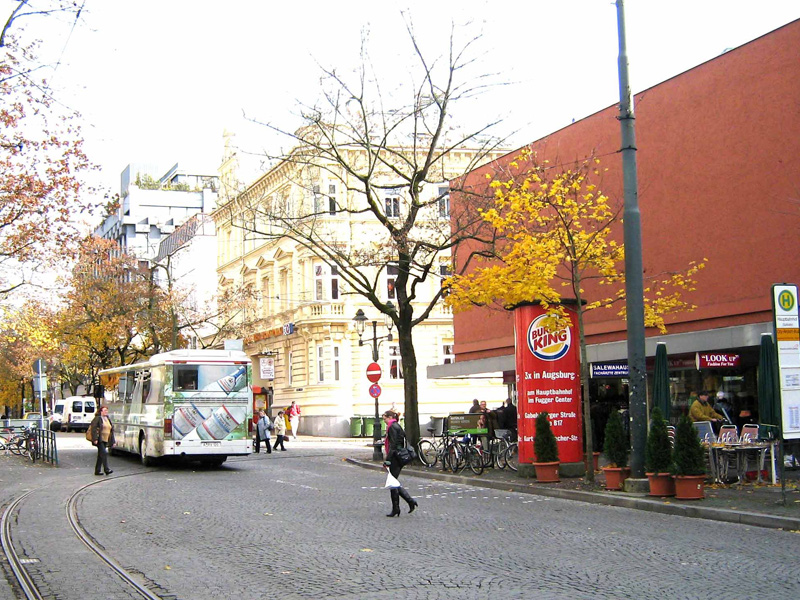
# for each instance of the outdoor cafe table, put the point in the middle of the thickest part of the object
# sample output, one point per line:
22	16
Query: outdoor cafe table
720	454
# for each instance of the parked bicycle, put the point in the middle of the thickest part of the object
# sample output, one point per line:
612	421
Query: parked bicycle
22	443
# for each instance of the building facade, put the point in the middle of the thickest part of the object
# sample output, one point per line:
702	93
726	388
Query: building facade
718	156
300	328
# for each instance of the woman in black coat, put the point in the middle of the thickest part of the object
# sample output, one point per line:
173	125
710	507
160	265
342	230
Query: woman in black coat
396	439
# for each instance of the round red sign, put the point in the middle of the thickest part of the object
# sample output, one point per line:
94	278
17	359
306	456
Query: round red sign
374	390
374	372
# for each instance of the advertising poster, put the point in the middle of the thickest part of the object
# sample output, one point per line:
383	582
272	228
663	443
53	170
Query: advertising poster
548	379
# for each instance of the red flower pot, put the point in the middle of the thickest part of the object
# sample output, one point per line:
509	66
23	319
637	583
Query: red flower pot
547	472
689	487
616	476
661	484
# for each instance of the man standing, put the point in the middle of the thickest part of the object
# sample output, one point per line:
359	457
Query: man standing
102	434
701	410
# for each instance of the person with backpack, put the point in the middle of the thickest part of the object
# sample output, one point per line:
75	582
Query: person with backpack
395	440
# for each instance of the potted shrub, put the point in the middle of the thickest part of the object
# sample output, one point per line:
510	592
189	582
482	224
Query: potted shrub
545	448
689	462
658	457
617	449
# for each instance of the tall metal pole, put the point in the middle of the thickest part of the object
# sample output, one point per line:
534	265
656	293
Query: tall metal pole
377	451
632	231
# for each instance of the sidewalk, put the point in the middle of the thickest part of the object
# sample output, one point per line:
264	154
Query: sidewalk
749	504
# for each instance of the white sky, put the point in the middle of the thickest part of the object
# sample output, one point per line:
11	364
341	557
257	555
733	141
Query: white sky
159	80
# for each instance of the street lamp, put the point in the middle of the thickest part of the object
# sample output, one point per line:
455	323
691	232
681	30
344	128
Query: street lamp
361	323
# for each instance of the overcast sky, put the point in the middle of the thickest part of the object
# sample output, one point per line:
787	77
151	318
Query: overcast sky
159	80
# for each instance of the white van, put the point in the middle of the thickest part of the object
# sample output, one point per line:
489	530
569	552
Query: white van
74	413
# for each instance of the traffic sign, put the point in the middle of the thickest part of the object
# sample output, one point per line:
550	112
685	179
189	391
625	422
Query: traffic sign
374	390
374	373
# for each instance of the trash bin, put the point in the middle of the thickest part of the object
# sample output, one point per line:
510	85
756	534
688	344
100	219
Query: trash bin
369	425
356	424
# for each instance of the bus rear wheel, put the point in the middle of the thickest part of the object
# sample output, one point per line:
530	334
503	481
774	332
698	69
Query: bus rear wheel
147	461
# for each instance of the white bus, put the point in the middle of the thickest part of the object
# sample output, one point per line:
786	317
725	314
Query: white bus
191	404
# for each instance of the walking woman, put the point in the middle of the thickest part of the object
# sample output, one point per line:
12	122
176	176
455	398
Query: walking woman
396	439
102	434
280	431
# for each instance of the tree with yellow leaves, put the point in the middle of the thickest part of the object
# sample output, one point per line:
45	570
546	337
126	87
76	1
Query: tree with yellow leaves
560	237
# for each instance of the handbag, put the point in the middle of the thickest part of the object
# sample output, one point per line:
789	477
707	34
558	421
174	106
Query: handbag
406	455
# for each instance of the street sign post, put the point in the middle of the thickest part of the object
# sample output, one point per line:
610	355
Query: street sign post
374	372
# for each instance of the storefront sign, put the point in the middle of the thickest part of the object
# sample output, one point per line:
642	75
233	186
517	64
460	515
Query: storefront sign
548	380
787	339
266	367
616	369
716	361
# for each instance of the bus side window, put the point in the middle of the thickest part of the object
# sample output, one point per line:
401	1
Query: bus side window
186	378
145	385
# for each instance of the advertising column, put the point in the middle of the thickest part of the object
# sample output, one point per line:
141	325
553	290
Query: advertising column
548	380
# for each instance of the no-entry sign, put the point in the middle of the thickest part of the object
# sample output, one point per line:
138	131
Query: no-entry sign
374	390
374	372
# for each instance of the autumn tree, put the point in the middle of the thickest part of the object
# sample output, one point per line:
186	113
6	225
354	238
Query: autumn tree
393	156
561	241
41	160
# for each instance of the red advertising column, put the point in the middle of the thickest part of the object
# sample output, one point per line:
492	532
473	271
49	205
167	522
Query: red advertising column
548	380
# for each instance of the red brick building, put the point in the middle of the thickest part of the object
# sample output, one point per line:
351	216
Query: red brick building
719	179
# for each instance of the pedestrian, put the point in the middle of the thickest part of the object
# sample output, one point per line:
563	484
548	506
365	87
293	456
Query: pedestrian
294	418
102	433
476	407
263	427
280	431
396	439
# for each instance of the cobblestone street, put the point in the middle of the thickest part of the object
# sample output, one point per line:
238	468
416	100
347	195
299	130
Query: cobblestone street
307	524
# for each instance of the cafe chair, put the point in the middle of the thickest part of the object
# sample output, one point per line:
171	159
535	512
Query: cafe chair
749	433
671	434
705	432
728	434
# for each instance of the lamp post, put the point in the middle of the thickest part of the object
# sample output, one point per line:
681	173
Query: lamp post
361	323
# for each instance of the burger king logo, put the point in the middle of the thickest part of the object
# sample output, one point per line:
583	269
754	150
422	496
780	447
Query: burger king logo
547	345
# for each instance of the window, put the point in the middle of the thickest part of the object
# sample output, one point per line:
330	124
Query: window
326	285
289	375
448	357
332	198
444	201
392	271
395	363
444	272
265	297
320	363
393	204
336	363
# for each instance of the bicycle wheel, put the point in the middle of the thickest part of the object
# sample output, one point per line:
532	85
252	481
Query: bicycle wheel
427	453
512	456
15	446
31	447
498	450
475	459
455	457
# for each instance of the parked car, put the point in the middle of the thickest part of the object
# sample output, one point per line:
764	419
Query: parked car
73	413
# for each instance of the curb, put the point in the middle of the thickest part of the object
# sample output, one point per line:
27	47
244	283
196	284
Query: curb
611	499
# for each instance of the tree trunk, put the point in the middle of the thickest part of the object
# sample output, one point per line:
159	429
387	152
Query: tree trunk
409	360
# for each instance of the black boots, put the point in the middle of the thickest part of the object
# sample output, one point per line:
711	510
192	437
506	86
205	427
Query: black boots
398	493
395	502
412	504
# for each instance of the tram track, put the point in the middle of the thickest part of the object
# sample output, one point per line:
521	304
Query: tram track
17	564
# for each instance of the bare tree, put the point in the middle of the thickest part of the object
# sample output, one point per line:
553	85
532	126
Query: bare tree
394	155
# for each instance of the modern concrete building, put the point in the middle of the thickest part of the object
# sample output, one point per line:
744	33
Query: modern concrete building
153	202
718	150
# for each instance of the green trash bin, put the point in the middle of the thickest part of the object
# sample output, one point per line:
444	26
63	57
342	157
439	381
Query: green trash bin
369	425
356	424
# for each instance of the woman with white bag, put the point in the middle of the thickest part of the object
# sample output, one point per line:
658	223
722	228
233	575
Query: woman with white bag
395	440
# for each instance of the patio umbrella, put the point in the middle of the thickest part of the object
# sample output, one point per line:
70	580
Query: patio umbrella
768	398
661	381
